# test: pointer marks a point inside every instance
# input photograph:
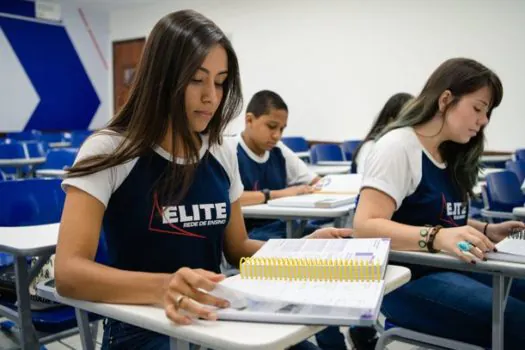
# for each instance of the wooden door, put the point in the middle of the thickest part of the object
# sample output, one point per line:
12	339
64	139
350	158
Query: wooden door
126	56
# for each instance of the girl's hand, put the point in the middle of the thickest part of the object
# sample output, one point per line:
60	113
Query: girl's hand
183	292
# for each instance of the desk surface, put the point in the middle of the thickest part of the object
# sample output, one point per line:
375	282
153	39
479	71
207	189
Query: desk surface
329	169
519	212
448	261
51	173
305	154
19	162
28	240
496	158
484	172
334	162
264	211
218	334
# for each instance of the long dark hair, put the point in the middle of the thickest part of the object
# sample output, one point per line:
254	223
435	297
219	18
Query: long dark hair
175	49
388	113
461	76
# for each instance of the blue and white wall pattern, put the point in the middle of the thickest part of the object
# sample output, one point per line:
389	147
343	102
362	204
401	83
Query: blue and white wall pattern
53	75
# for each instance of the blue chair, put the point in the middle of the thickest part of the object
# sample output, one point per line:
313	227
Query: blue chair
29	135
61	158
501	194
326	152
35	202
518	168
520	154
296	143
35	149
53	137
349	148
9	151
77	139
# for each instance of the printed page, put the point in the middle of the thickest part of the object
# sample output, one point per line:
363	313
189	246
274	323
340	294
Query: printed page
346	249
345	183
355	297
512	246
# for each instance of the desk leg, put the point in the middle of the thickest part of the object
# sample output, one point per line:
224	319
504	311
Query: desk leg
86	337
177	344
291	232
500	291
28	338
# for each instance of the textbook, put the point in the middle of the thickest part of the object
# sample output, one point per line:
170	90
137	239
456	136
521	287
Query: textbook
314	200
510	249
309	281
339	184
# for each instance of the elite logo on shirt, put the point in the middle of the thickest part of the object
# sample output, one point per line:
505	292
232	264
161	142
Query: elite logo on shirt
177	218
453	211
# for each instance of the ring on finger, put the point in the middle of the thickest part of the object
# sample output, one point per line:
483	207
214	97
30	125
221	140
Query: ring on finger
464	246
178	300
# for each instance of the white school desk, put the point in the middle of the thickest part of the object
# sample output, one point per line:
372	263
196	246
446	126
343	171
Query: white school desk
213	334
290	214
303	155
19	163
496	158
56	173
62	144
334	162
323	170
484	172
502	274
519	212
22	242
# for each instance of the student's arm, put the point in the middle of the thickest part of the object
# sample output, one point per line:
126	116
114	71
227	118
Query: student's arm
236	242
257	197
388	179
297	171
497	232
79	276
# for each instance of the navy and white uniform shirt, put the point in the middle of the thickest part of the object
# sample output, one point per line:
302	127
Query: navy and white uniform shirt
276	169
422	188
144	230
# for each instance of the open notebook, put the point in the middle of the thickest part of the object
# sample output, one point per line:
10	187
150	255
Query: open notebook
309	281
314	201
511	249
339	184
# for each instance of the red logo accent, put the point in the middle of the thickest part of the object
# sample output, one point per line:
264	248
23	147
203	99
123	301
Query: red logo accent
445	218
175	229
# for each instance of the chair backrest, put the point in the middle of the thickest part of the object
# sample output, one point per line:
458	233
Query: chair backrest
77	139
326	152
520	154
503	191
517	167
25	135
12	151
61	158
30	202
54	137
349	148
36	149
296	143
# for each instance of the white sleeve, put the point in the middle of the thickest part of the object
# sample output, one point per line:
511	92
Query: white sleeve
390	169
363	154
226	154
297	171
102	184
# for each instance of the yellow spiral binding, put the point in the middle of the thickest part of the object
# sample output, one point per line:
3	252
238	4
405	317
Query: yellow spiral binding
310	269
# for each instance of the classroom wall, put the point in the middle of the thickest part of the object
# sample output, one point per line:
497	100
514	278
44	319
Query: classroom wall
335	62
53	75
